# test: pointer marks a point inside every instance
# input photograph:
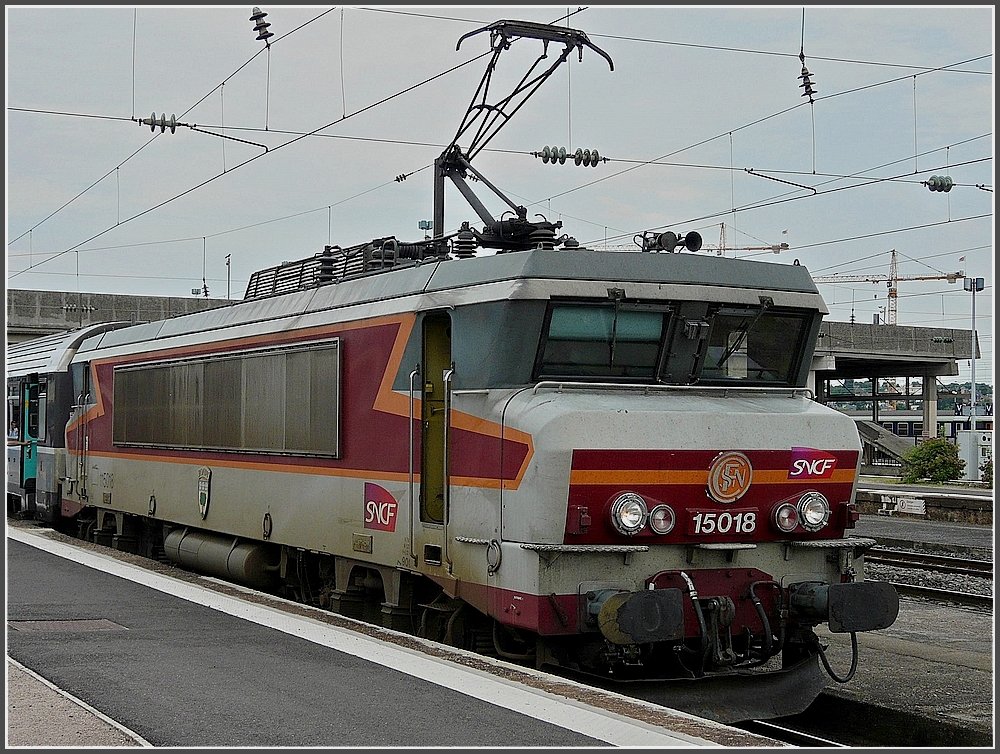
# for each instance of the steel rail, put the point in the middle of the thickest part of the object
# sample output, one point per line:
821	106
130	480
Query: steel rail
930	562
944	595
785	734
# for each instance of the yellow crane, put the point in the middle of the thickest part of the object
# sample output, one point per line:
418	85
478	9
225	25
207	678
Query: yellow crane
775	247
891	280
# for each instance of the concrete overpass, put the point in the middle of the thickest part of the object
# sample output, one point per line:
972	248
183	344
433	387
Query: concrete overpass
850	351
31	314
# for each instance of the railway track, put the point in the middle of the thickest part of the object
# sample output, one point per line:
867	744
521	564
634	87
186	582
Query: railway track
944	595
929	562
940	564
786	734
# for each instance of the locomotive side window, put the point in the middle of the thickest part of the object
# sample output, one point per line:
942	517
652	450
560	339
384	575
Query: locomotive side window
41	409
35	396
754	345
81	383
14	405
606	341
267	401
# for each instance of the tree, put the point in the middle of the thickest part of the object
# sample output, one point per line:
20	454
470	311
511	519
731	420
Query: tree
987	469
936	460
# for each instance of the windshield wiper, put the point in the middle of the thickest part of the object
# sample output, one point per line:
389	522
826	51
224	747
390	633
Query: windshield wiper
616	295
744	330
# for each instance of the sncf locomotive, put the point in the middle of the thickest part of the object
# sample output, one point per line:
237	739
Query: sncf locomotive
608	462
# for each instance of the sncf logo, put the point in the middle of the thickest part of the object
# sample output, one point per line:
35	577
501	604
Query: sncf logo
729	477
809	463
380	508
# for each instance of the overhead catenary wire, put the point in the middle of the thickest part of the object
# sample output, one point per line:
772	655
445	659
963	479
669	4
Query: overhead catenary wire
389	182
874	256
256	157
743	127
230	76
292	141
155	136
771	203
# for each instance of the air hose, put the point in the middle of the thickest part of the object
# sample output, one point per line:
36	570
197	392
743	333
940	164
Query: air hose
705	644
854	660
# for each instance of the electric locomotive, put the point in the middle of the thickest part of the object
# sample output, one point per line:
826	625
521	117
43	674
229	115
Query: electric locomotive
609	462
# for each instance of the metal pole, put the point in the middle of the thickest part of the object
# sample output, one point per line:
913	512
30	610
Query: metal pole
974	285
972	407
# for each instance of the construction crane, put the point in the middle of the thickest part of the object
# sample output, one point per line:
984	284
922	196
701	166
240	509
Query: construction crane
775	247
891	280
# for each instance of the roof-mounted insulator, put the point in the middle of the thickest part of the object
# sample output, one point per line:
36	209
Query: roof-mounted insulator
464	243
261	25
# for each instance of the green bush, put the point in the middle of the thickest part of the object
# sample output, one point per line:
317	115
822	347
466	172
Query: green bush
987	475
936	460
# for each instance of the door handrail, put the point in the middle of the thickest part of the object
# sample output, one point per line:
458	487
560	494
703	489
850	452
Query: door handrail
446	378
414	513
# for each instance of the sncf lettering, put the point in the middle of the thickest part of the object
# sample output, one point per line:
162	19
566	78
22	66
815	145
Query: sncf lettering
380	513
380	508
809	463
818	467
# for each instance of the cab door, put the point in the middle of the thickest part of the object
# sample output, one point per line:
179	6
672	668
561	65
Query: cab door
32	430
15	418
435	409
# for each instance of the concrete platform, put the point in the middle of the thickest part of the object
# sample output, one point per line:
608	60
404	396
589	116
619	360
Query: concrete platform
41	714
972	539
932	671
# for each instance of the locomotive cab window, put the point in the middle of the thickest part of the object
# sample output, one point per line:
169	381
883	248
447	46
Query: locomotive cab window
610	341
754	345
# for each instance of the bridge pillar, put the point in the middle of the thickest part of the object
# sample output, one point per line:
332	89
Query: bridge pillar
930	399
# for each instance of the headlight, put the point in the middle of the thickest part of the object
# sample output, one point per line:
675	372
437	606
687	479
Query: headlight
814	511
628	513
786	517
662	519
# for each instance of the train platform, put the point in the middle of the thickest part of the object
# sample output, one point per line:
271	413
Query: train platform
975	540
105	651
927	680
931	674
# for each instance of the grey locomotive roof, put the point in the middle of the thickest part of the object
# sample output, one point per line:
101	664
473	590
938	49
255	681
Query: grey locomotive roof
439	276
51	353
696	269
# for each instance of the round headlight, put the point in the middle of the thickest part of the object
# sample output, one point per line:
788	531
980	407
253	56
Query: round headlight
814	511
786	517
628	513
662	519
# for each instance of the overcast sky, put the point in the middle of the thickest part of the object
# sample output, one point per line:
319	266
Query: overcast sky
703	120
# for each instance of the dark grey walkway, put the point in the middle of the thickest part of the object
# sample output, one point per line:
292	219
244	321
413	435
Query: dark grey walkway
944	533
180	674
182	661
